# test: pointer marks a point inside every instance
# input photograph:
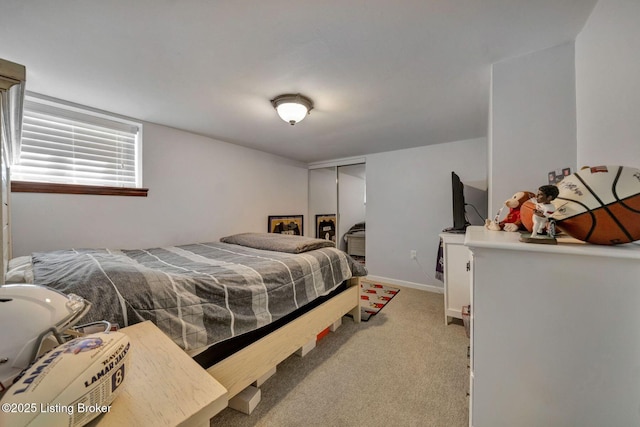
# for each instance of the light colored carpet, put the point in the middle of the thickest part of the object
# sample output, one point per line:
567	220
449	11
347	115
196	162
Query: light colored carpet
403	367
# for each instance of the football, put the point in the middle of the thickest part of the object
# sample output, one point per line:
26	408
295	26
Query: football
69	385
600	205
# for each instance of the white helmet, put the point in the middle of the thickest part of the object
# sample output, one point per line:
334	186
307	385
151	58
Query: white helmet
28	314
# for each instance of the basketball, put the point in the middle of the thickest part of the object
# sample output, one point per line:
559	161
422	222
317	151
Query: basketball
599	205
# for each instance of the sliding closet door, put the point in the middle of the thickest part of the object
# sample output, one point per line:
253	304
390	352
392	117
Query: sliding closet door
351	199
323	203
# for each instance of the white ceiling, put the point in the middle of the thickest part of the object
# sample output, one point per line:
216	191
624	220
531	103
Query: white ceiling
384	75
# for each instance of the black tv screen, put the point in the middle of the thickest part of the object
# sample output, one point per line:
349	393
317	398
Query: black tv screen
460	222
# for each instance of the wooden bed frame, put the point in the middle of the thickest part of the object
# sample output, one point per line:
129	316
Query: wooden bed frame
248	365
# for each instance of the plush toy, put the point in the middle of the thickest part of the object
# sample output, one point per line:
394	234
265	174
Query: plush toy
512	221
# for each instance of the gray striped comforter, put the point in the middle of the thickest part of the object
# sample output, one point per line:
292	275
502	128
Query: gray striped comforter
198	294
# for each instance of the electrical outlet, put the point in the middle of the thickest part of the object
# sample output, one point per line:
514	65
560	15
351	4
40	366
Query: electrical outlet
413	254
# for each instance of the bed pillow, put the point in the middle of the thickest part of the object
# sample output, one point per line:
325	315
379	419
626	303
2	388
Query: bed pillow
277	242
19	270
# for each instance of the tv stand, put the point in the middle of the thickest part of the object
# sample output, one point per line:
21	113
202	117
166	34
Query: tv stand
457	280
454	230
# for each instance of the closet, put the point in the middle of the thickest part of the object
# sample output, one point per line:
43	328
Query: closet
337	205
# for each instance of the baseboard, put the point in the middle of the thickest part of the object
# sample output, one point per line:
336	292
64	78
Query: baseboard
421	286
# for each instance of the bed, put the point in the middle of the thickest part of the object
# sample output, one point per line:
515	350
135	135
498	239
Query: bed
198	294
214	299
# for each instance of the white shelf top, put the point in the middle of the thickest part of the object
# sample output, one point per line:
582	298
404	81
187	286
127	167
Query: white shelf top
453	237
480	237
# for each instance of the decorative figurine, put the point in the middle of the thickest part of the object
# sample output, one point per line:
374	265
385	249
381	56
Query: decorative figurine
543	210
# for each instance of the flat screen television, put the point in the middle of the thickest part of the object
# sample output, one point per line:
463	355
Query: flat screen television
460	222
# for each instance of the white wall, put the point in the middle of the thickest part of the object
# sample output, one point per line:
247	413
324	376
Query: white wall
199	190
533	121
409	203
608	85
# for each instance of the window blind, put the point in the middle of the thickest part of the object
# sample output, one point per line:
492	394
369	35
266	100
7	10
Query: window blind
68	146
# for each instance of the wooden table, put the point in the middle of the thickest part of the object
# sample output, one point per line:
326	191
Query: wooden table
164	386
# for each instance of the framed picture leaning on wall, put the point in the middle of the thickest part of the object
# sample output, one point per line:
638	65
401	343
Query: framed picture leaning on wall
326	227
286	224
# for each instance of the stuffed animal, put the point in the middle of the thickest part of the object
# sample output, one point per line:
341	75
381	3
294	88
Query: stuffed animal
512	222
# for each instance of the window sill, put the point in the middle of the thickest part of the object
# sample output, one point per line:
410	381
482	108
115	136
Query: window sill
41	187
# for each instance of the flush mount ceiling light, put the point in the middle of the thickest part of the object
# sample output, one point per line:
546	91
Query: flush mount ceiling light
292	108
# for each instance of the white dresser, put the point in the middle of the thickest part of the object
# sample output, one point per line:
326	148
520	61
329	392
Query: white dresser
356	244
555	333
457	282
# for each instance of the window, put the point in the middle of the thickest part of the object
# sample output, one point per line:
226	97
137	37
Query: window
72	149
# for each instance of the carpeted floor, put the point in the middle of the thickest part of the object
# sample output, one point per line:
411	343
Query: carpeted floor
404	367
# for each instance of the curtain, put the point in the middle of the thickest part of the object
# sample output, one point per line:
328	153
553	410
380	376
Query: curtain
12	86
